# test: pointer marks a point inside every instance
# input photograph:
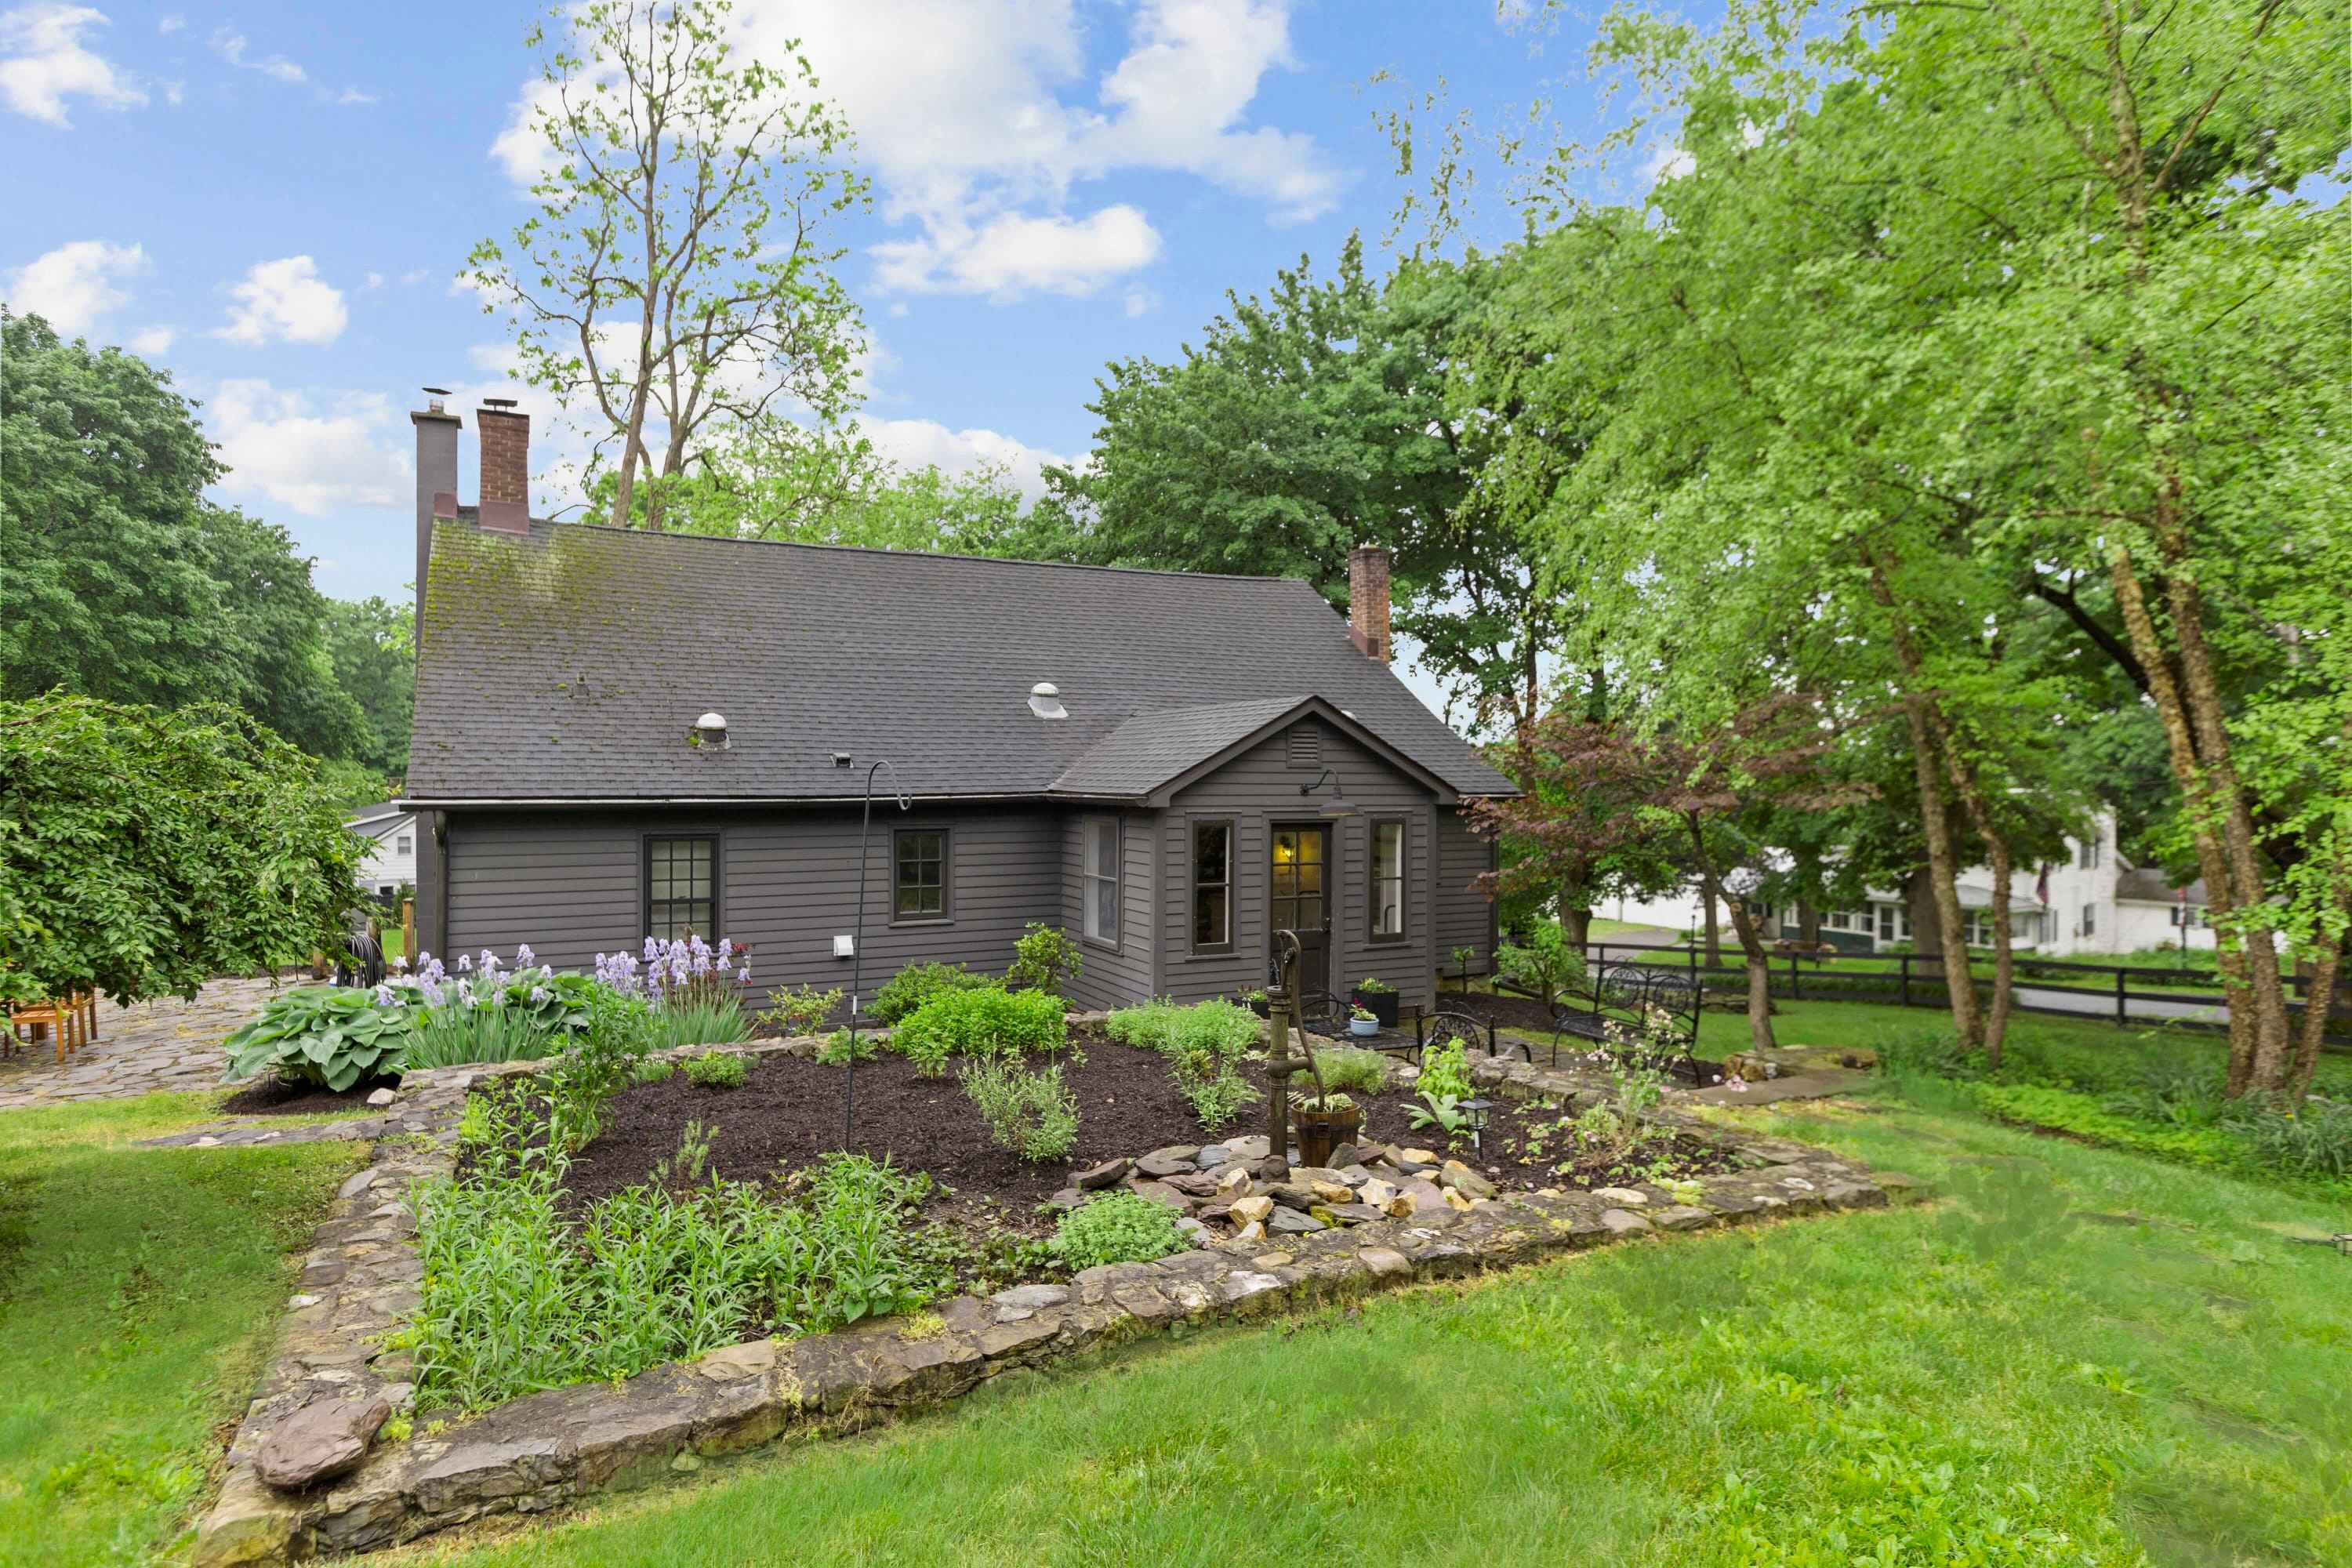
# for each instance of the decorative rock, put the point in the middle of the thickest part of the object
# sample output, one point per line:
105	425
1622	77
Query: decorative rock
1620	1223
1457	1178
1334	1192
1377	1193
1313	1173
1184	1152
321	1440
1250	1148
384	1097
1273	1259
1166	1166
353	1185
1424	1196
1290	1222
1418	1156
1193	1184
1251	1211
1068	1198
1034	1298
1619	1195
1273	1168
1454	1200
1215	1157
1355	1214
1110	1173
1682	1216
1292	1194
1161	1192
1234	1183
1386	1263
1252	1231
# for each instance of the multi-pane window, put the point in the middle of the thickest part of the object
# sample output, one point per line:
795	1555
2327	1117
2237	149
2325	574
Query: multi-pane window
1212	887
681	886
919	883
404	845
1101	889
1388	880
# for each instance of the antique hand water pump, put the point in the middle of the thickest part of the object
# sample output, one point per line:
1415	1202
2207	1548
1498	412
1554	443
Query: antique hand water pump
1282	1012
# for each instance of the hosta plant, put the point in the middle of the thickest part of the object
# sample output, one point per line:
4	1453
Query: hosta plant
322	1035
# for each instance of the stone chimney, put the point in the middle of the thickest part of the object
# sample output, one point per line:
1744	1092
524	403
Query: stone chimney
436	481
505	466
1367	600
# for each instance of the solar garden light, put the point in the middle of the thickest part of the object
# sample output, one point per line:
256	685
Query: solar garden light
1476	1112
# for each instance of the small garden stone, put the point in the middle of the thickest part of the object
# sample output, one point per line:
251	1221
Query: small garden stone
321	1440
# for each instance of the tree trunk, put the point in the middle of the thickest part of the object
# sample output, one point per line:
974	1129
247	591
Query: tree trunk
1759	971
1575	920
1943	875
1710	893
1808	924
2003	959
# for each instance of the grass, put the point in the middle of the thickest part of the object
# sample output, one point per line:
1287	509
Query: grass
2073	1356
139	1292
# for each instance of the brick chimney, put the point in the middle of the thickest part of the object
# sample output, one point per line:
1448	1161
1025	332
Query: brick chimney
505	466
1367	600
436	481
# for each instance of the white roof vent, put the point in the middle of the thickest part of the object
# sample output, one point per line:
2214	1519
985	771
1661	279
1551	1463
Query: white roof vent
1046	700
710	730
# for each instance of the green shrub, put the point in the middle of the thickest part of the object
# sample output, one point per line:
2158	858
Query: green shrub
699	1021
993	1022
1042	956
1445	1072
834	1052
1350	1067
1547	963
2313	1140
320	1034
656	1069
918	983
1032	1113
799	1010
1204	1044
1117	1227
597	1063
516	1299
718	1070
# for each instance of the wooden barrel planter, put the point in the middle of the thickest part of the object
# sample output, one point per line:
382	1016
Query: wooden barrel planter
1320	1132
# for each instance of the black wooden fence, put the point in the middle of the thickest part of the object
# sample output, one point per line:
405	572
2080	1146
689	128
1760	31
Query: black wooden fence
2115	993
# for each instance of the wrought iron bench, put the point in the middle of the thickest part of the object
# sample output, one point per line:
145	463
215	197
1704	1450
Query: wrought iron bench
1625	996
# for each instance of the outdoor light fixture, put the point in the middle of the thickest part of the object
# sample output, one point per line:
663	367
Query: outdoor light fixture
1475	1114
1338	805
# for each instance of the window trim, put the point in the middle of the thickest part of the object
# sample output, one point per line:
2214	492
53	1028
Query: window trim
1373	932
1088	877
718	842
947	879
1193	885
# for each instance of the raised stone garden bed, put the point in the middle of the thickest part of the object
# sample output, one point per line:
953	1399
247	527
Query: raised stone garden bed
1286	1237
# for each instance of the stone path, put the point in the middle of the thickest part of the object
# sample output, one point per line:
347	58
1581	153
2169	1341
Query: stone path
147	1049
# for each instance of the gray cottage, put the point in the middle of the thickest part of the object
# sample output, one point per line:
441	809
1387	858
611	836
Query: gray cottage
621	733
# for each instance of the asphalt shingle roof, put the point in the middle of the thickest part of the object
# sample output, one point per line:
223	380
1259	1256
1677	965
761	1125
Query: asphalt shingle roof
569	663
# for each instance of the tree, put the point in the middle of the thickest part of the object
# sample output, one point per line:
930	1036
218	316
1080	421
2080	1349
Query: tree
372	645
673	286
120	580
1611	788
143	852
1319	418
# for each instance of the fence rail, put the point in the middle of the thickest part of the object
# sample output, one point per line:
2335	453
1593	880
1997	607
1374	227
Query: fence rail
2059	987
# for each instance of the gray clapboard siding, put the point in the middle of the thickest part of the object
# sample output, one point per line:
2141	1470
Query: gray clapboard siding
1113	977
1260	788
1465	917
575	887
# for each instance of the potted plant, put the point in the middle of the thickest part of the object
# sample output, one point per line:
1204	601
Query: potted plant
1323	1123
1378	994
1364	1021
1256	1002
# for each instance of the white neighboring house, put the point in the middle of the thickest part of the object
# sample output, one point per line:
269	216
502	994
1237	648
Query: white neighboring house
391	864
2096	903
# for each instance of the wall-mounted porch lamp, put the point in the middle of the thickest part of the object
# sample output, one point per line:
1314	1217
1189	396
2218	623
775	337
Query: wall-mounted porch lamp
1338	805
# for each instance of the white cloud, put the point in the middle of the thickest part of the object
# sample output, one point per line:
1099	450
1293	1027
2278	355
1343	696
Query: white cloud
230	45
75	284
43	61
284	301
978	116
171	23
313	454
921	443
374	280
1141	302
355	95
1666	161
414	274
154	341
1011	254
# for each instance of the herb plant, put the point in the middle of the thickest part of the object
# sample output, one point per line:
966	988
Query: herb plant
1117	1227
1032	1113
990	1022
718	1070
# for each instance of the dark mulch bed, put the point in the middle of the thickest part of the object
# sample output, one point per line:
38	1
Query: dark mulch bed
788	1115
1501	1156
282	1097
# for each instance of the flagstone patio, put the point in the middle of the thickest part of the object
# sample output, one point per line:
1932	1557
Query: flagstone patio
151	1048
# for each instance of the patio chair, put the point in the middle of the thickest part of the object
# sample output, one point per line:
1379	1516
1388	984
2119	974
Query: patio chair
71	1022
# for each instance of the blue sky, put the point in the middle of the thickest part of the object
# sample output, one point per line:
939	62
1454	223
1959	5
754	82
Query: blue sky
273	201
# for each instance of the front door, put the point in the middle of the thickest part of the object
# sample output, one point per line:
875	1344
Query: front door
1300	890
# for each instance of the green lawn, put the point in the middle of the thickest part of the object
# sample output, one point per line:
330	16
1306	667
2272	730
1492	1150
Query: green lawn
2069	1356
139	1291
